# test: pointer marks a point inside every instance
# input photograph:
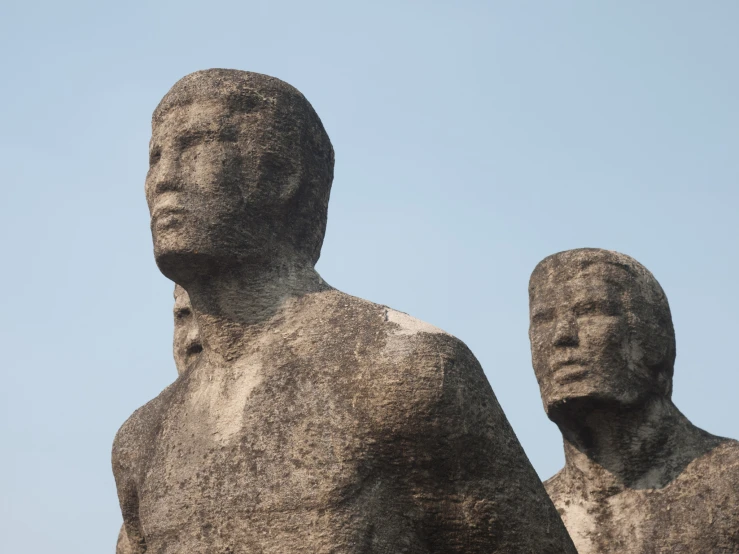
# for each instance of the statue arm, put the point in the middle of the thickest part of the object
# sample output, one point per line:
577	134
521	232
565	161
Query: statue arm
484	495
125	459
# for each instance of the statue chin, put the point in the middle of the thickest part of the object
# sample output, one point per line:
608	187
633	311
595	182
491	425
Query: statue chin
181	265
576	405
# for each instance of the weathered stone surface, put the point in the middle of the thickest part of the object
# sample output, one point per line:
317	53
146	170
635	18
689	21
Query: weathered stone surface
187	347
314	421
639	477
122	545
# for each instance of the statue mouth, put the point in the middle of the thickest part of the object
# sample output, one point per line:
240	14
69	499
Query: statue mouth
164	211
194	349
567	371
167	216
559	364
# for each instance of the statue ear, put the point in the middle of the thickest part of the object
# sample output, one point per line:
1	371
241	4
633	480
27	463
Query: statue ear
665	365
661	362
664	379
282	172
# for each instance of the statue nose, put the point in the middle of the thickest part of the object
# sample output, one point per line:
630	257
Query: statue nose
164	177
566	332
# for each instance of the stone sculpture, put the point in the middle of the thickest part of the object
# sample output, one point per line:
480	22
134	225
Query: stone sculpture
186	346
638	477
314	422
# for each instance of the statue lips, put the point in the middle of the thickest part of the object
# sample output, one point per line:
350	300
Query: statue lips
167	215
569	370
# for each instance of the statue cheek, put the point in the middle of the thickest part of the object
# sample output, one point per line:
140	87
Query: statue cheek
541	351
604	333
537	347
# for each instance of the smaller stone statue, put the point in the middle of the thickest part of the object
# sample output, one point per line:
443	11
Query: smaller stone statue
638	477
186	345
186	348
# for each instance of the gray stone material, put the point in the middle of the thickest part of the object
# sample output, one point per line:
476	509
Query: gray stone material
186	344
638	477
123	546
187	347
314	421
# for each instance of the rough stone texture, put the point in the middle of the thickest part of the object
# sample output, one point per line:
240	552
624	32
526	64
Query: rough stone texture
186	344
187	347
639	477
123	546
314	422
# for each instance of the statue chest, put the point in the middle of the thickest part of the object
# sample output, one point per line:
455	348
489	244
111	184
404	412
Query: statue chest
253	452
681	518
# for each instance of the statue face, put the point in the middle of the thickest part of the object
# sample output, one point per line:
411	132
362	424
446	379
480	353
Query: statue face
216	183
187	344
582	344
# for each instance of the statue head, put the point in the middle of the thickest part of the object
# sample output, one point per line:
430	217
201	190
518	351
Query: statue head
240	171
600	329
187	345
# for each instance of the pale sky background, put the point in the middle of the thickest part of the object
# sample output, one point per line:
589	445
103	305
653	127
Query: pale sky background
472	139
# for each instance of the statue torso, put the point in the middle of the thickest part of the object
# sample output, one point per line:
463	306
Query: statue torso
696	513
345	427
294	450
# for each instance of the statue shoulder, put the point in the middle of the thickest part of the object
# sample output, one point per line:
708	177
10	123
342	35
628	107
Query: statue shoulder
136	437
416	368
340	314
723	463
555	486
433	353
404	325
400	332
447	378
343	320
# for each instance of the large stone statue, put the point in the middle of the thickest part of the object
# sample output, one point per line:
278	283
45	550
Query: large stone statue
314	422
638	477
186	346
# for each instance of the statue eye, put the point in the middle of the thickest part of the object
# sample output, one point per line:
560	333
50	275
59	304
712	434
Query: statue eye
586	309
195	137
182	313
542	316
596	308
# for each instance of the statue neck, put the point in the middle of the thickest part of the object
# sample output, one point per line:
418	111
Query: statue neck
637	446
234	307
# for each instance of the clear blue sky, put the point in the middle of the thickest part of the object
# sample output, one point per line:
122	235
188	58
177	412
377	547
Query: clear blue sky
472	139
